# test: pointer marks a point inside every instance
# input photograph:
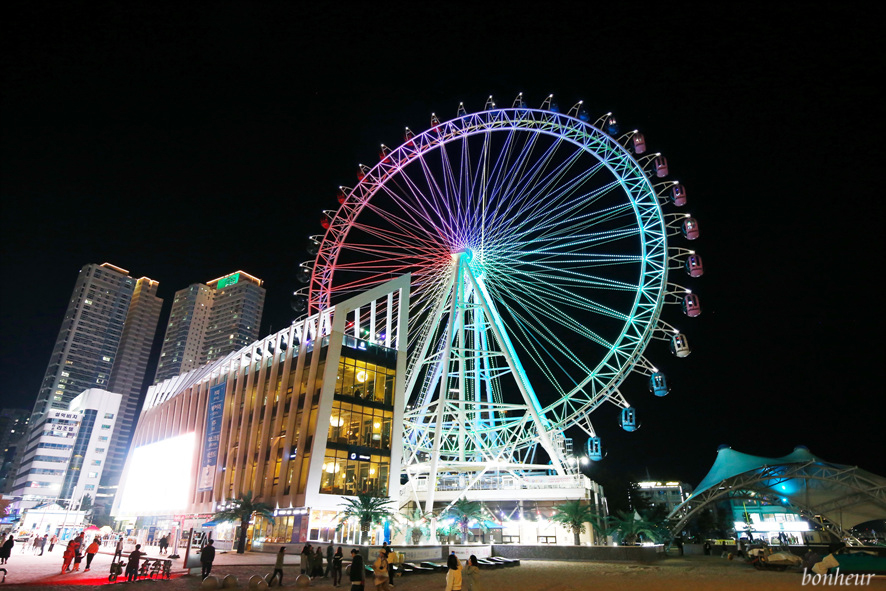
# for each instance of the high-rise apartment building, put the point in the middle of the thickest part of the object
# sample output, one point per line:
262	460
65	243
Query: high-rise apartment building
130	369
210	320
105	337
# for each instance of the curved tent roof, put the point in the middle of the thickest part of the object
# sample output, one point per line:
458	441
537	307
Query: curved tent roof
843	495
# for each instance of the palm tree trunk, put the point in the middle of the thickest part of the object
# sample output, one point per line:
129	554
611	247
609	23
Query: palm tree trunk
577	533
241	545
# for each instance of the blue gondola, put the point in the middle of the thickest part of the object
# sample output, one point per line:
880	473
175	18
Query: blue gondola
611	126
554	107
583	114
658	385
628	420
595	449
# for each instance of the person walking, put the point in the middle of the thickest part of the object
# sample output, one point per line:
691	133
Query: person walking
317	571
52	542
164	544
306	558
41	543
390	556
380	571
330	551
132	563
336	567
118	549
471	577
78	552
356	572
68	556
90	553
6	549
278	567
207	556
453	575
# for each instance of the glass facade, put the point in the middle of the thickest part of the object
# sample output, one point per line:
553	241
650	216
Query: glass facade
358	447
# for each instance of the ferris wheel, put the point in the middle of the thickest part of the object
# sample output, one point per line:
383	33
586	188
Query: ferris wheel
539	245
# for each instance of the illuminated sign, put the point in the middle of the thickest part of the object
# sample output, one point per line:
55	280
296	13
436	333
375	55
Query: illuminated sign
215	408
229	280
772	526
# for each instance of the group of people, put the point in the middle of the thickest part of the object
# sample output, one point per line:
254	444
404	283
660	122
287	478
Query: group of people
312	562
35	543
75	551
463	579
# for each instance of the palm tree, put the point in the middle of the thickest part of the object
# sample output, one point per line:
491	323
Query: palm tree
630	527
464	512
242	510
574	514
416	524
368	509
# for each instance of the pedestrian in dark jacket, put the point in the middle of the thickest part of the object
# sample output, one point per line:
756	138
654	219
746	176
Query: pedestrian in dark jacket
78	551
132	563
306	560
356	572
6	549
318	563
207	556
330	551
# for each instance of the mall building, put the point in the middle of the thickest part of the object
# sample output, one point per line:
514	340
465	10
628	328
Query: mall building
302	419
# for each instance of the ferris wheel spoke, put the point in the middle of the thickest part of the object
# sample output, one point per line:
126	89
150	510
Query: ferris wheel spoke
545	190
517	203
568	300
561	317
417	224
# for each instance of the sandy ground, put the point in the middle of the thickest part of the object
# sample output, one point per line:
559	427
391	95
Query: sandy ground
700	573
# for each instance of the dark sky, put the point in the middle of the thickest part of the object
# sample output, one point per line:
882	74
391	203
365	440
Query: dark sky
186	141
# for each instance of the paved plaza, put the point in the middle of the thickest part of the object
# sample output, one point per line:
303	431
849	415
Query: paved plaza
696	573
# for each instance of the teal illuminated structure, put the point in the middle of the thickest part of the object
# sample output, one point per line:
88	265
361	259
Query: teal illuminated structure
539	253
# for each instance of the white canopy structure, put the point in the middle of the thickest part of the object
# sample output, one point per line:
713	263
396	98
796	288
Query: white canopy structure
836	496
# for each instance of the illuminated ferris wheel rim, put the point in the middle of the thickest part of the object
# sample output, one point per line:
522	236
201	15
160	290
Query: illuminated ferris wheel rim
640	322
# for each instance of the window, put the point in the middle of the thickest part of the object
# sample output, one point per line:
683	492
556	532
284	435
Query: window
103	438
89	487
99	450
106	427
96	463
109	415
93	475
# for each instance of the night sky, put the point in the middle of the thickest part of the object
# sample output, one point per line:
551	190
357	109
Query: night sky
183	142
